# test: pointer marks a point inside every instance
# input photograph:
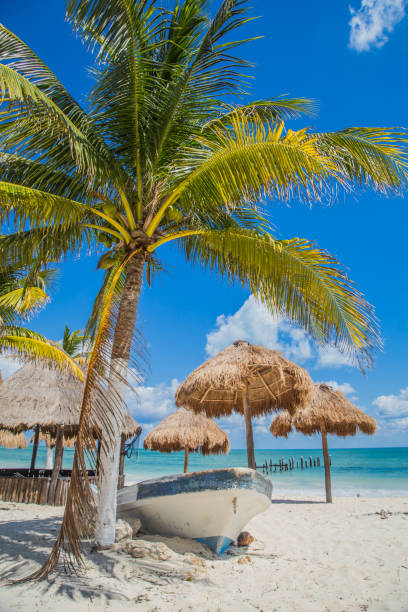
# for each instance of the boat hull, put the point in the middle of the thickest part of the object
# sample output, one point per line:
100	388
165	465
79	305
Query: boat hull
212	507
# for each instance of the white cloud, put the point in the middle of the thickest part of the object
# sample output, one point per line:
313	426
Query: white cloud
331	357
8	366
373	21
152	403
345	387
394	406
254	323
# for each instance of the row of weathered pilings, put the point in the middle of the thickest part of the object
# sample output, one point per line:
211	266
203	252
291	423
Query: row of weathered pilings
285	466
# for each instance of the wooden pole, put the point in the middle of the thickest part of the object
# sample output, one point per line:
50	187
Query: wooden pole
35	446
186	451
327	477
122	456
248	426
301	463
59	453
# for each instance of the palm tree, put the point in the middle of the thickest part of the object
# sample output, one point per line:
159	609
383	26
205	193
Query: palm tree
74	343
162	155
22	294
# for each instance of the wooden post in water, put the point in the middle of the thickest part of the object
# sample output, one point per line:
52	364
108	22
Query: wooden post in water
318	462
186	451
59	453
326	458
35	446
310	462
297	464
301	463
248	426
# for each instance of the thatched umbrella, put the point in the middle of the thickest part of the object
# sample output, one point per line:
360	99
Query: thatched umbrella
248	379
328	412
184	430
38	397
10	439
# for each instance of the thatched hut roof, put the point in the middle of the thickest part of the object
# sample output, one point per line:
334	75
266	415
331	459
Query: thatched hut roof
38	395
274	383
10	439
51	440
329	407
184	429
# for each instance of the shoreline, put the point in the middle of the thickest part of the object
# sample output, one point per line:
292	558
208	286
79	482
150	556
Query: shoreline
307	556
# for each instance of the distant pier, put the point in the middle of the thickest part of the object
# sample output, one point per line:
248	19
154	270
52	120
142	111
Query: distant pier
288	465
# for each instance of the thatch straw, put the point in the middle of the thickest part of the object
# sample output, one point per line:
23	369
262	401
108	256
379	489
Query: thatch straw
50	441
10	439
330	408
274	383
38	395
184	429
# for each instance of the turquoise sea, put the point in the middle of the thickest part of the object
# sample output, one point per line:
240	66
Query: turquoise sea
370	472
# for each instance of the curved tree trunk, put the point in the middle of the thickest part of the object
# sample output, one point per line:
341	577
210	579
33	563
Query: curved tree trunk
110	453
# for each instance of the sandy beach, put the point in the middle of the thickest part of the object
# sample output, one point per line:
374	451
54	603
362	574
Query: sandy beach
307	556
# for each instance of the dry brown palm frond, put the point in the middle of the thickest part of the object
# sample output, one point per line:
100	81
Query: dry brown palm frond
274	383
101	407
185	429
329	408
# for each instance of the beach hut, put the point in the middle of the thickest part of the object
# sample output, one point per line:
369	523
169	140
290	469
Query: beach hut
248	379
49	402
10	439
329	412
185	430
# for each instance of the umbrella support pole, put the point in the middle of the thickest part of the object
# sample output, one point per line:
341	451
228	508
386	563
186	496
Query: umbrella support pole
59	453
326	465
121	479
186	459
249	431
35	447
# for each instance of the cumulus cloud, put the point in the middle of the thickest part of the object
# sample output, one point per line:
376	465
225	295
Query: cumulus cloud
393	406
345	387
373	21
152	403
254	323
331	357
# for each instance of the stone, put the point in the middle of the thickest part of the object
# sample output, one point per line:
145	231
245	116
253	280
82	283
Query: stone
134	522
244	559
245	538
123	530
147	550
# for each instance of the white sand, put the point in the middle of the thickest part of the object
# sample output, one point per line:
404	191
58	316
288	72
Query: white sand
307	556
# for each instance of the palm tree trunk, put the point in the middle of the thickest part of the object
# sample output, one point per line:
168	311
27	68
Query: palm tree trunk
112	432
249	431
326	458
59	453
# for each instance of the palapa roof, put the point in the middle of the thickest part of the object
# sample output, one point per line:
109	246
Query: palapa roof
39	395
274	383
10	439
184	429
329	407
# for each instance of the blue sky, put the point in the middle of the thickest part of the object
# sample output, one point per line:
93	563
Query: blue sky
353	62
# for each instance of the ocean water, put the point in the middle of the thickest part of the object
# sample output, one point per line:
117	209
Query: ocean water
369	472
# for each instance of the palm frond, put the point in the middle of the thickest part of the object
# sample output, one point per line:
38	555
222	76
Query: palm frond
295	279
24	344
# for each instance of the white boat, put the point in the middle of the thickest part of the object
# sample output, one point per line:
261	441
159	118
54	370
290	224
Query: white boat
212	507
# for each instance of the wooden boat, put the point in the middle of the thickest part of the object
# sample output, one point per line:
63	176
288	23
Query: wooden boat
212	507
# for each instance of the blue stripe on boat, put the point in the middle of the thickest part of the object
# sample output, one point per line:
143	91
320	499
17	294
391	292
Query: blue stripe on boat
217	543
214	480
